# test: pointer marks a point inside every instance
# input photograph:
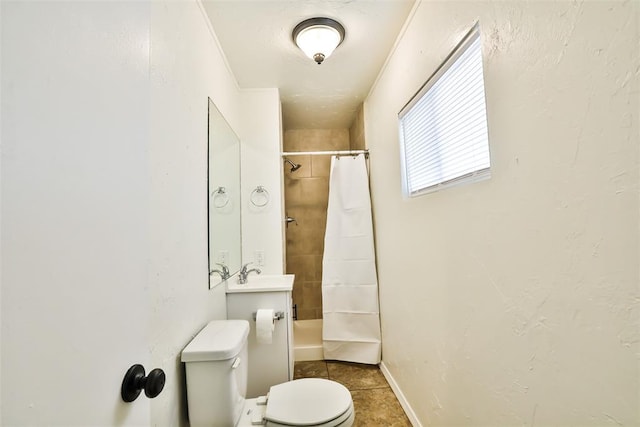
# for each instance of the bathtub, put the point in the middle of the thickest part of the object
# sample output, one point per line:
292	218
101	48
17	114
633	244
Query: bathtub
307	340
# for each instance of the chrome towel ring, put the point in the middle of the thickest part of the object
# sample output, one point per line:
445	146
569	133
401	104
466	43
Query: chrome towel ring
220	197
259	197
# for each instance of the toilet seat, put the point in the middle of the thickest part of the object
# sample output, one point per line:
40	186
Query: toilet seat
306	402
345	420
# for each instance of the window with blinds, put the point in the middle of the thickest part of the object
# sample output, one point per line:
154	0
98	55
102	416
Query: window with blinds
443	129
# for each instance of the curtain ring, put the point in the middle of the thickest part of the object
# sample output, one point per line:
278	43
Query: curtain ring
259	197
220	197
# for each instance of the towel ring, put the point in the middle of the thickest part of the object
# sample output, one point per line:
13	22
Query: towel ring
220	197
259	197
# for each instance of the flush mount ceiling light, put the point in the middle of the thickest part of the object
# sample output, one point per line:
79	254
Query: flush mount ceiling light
318	37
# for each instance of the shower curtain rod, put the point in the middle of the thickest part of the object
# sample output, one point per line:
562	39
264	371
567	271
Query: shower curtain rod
327	153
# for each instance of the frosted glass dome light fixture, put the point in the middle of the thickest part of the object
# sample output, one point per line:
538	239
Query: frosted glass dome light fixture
318	37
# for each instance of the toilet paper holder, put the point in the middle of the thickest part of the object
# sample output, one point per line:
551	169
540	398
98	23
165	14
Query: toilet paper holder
276	315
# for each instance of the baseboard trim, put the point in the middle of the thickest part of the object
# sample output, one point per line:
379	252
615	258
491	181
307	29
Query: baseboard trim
400	396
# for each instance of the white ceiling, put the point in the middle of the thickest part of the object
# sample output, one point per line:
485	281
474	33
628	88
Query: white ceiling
256	38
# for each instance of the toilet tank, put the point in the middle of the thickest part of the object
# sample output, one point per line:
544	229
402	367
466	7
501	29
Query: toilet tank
216	367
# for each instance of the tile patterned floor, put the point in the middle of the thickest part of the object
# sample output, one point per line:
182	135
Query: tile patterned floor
374	402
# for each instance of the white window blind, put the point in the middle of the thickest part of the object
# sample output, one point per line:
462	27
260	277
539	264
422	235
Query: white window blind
443	129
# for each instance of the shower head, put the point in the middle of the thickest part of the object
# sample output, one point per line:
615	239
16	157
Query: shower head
294	166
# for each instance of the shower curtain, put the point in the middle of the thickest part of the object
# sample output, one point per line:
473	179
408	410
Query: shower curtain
350	310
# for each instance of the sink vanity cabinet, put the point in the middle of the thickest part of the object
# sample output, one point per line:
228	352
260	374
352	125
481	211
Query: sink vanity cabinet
269	364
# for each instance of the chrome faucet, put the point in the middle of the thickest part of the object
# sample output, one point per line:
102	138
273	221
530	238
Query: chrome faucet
242	276
223	272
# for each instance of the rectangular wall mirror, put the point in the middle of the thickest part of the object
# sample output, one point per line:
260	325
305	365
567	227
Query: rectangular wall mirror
223	206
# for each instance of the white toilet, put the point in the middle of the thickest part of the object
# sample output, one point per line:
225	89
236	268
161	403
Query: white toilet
216	366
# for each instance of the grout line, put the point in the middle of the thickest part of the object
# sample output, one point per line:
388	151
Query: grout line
371	388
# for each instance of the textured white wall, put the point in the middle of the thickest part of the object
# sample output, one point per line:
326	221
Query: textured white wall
0	220
187	66
516	300
261	135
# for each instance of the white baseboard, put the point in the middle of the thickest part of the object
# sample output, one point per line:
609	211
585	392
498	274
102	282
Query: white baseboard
403	401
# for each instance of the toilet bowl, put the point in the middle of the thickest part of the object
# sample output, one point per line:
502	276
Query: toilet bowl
216	368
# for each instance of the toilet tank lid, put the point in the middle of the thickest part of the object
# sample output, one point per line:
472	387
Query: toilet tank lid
219	340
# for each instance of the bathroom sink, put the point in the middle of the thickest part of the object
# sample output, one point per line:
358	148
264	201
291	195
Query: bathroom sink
262	283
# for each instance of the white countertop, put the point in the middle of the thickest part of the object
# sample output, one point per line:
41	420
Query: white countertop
262	283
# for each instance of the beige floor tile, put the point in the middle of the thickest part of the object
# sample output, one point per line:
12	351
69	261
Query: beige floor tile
378	407
356	376
311	369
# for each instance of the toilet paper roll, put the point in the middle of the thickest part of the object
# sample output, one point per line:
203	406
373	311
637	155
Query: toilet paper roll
264	326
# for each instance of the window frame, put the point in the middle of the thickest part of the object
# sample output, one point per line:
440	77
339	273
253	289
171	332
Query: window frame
479	175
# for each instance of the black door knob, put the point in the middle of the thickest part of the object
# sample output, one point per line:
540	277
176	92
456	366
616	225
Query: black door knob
154	383
135	381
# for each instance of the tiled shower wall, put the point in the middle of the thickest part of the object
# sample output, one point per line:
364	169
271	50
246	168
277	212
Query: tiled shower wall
306	192
356	133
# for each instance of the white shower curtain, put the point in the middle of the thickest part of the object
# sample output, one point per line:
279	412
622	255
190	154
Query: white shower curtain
350	310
